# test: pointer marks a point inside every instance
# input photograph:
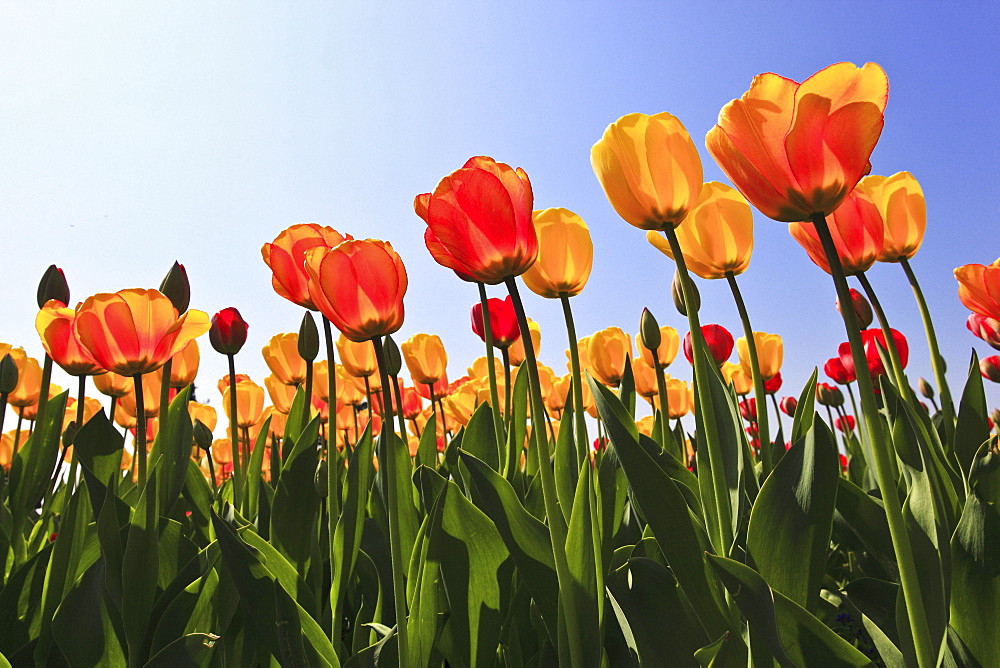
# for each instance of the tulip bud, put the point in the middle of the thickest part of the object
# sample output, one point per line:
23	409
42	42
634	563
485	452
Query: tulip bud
308	338
788	406
678	294
990	368
202	435
228	332
393	360
995	415
176	287
8	374
53	286
925	388
649	330
862	309
320	479
829	395
69	433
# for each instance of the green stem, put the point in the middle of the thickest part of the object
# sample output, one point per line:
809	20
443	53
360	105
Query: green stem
664	407
505	358
399	411
140	430
557	522
758	381
491	369
937	362
43	392
574	360
163	429
881	452
395	538
17	430
307	404
333	457
234	434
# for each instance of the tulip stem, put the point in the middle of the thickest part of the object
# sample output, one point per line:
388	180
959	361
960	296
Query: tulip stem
574	360
17	430
140	430
917	616
234	435
557	522
332	456
890	342
664	407
723	532
490	367
395	537
162	430
307	404
777	417
937	362
763	434
398	393
43	391
505	358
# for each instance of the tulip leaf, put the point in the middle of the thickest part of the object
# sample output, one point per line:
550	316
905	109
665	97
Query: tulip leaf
789	533
793	636
173	447
401	468
20	606
193	649
566	460
426	596
805	410
680	535
427	452
293	425
98	446
517	433
86	626
864	516
975	551
140	565
33	465
296	501
972	428
582	561
479	437
626	389
253	478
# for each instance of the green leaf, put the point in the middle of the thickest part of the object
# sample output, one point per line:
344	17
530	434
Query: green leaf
173	448
427	452
582	564
805	410
21	606
566	460
401	470
194	649
479	437
517	432
140	566
427	599
790	523
864	516
253	479
98	446
972	428
33	465
86	627
293	527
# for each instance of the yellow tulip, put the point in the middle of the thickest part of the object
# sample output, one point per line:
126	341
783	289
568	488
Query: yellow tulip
207	414
737	376
717	235
670	343
606	352
900	200
281	395
515	352
645	425
425	357
649	168
283	359
348	393
112	384
479	371
645	378
358	358
565	254
249	402
555	402
770	353
184	365
680	398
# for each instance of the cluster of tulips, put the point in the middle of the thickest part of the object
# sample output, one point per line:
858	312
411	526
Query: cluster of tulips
350	522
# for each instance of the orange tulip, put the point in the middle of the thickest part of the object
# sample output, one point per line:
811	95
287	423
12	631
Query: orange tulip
249	402
979	288
555	401
6	450
54	324
461	403
645	425
770	353
286	258
357	358
606	352
136	331
738	376
645	378
796	150
856	228
150	395
185	366
359	287
112	384
282	357
425	358
565	254
900	200
348	394
207	414
91	407
29	380
680	398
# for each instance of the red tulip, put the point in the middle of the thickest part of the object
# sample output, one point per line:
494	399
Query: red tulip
862	309
989	367
719	340
55	325
857	231
985	328
872	339
748	409
479	221
503	322
286	258
228	332
772	384
788	406
841	369
844	424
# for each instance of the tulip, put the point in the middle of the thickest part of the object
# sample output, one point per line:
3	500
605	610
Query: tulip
479	221
649	169
425	358
357	359
480	368
6	450
788	406
281	395
862	309
770	352
644	377
857	230
772	384
680	398
737	376
985	328
565	254
873	339
841	369
249	402
607	352
359	287
321	378
979	288
204	413
845	424
411	404
112	384
228	332
516	350
645	425
717	235
150	394
555	402
434	391
717	338
53	285
829	395
989	367
185	366
29	381
461	403
503	322
664	354
348	394
900	200
282	357
748	409
136	331
55	326
286	259
796	150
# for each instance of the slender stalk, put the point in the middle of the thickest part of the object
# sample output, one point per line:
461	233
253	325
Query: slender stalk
113	407
397	392
163	429
881	452
234	435
890	343
307	404
3	412
395	538
333	457
557	522
211	473
664	407
140	430
437	407
43	392
574	360
758	381
777	415
17	431
505	358
937	362
491	370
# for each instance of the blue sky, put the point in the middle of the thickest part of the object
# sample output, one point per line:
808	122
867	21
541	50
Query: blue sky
135	135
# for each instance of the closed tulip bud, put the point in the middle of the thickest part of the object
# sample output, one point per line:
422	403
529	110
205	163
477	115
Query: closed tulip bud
202	435
862	309
925	388
772	384
8	374
788	406
503	321
989	367
308	341
228	332
845	424
53	286
829	395
677	292
717	338
748	409
176	287
985	328
995	415
393	360
649	330
320	479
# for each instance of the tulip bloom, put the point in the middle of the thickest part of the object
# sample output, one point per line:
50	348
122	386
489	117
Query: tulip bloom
748	409
872	340
680	398
357	358
649	169
565	254
979	288
772	384
607	351
788	406
845	424
185	366
54	324
515	353
796	150
281	395
286	258
249	402
111	384
479	221
206	414
151	383
862	309
839	369
989	367
900	200
737	376
717	338
770	353
985	328
665	353
717	235
555	402
282	357
857	230
359	287
228	332
503	321
348	394
136	331
425	358
645	378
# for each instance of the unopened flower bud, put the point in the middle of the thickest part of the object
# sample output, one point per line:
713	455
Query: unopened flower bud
69	434
649	330
308	338
990	368
678	294
995	415
8	374
925	388
228	332
829	395
788	406
202	435
176	287
53	286
393	360
862	309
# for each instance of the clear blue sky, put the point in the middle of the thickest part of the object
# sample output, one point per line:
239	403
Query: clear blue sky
134	135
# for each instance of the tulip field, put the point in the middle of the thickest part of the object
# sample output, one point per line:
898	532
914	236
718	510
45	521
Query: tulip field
386	509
